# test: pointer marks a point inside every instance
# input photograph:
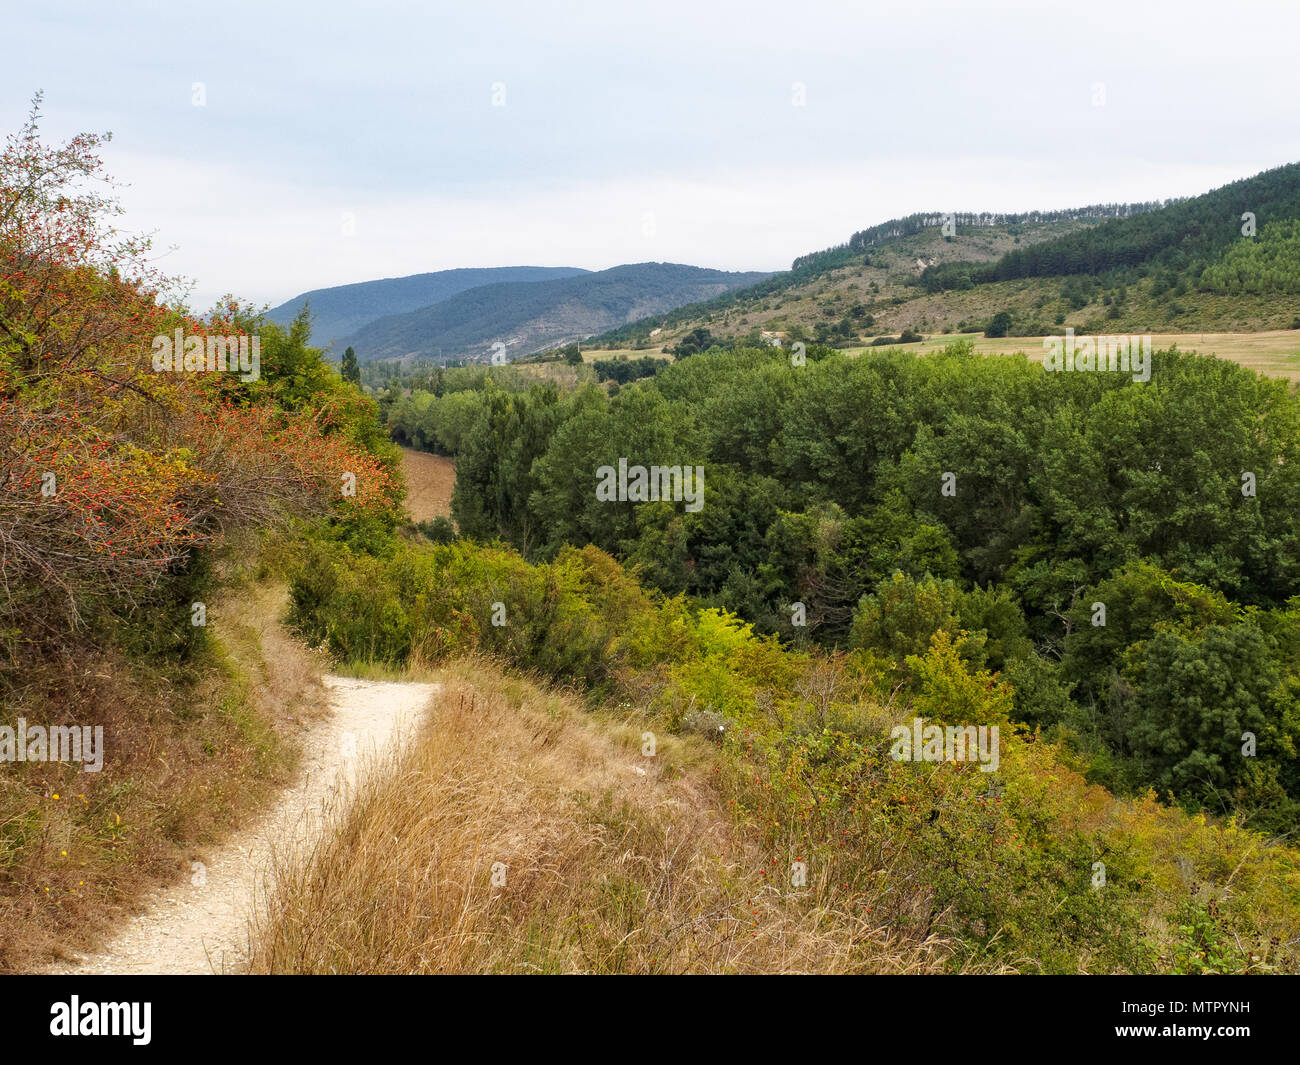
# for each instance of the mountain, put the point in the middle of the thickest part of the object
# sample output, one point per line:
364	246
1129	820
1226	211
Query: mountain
526	317
1224	261
1185	236
344	309
864	280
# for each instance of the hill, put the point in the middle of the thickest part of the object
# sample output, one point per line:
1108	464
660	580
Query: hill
1224	261
527	317
851	290
1185	236
344	309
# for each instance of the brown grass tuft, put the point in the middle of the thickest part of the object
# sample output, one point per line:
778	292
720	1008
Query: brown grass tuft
189	756
613	862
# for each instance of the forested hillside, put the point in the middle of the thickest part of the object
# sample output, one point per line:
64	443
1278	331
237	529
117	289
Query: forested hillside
896	498
336	312
1184	237
887	232
1269	265
510	320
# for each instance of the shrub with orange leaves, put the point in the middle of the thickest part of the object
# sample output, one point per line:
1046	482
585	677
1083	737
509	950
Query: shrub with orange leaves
112	474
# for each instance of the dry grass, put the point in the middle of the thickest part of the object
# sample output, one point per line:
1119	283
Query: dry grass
429	481
609	861
190	754
1275	353
559	373
606	354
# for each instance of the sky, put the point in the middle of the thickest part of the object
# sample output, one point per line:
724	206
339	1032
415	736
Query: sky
273	148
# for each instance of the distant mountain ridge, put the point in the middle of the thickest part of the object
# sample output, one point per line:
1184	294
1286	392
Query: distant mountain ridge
529	316
343	309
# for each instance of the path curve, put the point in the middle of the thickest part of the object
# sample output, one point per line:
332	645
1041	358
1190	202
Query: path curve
190	928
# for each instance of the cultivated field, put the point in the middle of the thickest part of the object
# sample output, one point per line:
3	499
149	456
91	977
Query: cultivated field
1275	352
429	480
602	354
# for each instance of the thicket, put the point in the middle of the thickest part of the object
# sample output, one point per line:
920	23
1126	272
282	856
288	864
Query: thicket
1030	868
826	484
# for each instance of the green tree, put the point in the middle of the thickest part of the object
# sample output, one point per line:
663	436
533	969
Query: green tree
1194	700
350	370
1000	325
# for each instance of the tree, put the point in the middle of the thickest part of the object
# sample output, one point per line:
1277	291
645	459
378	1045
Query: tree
1000	325
116	468
1195	697
695	341
350	370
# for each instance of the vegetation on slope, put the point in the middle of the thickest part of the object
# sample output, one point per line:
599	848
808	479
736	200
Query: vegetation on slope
1186	236
845	292
343	309
1137	268
539	838
1171	502
125	493
893	864
520	318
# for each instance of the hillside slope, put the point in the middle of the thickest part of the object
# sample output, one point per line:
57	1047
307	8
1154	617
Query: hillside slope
539	837
527	317
839	293
1180	235
343	309
1189	265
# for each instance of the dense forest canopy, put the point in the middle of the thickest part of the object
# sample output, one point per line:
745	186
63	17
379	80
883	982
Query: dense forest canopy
1185	236
897	497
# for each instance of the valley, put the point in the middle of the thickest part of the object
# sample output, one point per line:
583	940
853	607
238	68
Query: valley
654	537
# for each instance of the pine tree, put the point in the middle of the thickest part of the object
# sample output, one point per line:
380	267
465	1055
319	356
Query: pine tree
350	370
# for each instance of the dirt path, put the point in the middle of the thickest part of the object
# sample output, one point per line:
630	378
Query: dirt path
203	927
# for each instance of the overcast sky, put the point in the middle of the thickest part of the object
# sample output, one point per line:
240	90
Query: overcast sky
343	142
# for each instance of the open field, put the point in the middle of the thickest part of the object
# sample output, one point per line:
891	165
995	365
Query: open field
600	354
429	481
1275	352
559	373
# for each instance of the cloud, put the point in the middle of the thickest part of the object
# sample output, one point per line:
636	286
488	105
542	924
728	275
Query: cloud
676	109
269	240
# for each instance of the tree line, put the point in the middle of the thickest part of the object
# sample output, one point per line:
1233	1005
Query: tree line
895	498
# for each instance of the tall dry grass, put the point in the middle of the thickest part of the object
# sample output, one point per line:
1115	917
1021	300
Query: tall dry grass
192	753
605	861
